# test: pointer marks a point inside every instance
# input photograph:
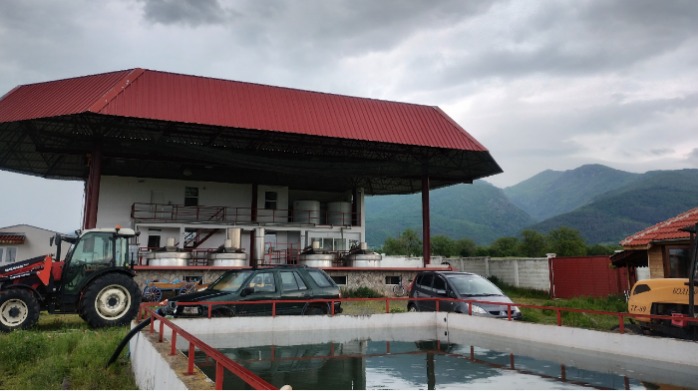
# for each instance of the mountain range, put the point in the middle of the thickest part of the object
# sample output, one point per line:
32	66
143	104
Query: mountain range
604	204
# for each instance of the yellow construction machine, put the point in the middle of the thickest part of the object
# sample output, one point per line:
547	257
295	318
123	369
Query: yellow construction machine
674	297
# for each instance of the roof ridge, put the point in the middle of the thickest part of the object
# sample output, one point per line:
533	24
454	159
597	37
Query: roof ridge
116	89
660	225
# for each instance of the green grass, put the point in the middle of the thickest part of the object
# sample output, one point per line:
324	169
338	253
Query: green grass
568	318
63	352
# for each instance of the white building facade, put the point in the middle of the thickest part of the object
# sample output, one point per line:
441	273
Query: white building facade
196	216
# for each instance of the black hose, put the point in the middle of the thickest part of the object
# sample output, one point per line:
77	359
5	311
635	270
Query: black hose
126	339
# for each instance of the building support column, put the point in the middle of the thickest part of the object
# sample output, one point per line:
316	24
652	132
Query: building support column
94	162
253	219
426	225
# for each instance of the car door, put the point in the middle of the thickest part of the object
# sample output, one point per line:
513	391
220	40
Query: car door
292	288
422	289
440	290
262	286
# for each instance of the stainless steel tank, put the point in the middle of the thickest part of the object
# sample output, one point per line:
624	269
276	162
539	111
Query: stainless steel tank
339	213
319	260
169	259
364	260
306	211
228	259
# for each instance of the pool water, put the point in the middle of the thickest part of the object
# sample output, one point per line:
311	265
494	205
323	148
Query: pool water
423	364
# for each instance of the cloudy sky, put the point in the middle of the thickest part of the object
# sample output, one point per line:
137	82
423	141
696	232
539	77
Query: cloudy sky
542	84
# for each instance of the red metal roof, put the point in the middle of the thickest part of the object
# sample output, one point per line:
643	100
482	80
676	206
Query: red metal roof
173	97
12	238
663	231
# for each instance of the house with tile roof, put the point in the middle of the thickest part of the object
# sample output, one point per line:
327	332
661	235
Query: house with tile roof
20	242
664	247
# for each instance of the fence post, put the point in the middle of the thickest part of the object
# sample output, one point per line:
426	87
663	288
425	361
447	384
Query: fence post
190	362
173	346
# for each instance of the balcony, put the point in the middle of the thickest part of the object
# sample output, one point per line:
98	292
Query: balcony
176	213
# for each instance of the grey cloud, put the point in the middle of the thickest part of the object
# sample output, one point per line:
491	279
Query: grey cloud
188	12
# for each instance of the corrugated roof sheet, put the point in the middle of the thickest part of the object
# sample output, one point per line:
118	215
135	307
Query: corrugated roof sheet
663	231
166	96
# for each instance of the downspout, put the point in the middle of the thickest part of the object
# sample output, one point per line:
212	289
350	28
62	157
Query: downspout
92	188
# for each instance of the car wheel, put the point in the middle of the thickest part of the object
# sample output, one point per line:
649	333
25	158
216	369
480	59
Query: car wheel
411	307
223	312
316	311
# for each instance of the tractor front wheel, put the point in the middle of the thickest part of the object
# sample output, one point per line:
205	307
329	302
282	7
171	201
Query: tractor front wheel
111	300
19	309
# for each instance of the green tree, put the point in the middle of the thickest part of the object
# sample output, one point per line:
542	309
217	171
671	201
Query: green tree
601	250
407	244
466	247
533	244
504	246
442	245
566	242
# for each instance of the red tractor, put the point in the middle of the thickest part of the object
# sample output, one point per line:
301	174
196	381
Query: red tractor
94	280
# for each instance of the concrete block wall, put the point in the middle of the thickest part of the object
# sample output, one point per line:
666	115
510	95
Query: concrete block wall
532	273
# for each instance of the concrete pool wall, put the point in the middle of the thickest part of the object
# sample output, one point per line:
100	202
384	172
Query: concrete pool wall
679	357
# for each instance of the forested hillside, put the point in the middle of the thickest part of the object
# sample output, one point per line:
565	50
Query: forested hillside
603	204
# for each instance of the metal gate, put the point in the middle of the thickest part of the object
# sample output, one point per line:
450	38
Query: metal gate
591	276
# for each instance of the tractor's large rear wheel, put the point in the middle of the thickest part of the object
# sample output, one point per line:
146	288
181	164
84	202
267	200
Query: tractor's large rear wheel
111	300
19	309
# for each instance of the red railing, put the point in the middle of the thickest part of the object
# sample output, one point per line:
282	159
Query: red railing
677	319
222	362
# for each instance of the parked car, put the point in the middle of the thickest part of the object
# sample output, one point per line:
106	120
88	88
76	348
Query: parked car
283	282
450	285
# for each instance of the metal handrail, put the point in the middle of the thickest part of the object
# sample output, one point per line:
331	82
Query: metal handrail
222	362
558	310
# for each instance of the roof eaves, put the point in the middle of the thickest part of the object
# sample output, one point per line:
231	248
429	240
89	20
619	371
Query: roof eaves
117	89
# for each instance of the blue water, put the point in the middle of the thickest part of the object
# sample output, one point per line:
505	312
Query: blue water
427	364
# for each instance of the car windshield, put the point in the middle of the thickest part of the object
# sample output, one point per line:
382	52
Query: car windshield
230	281
473	285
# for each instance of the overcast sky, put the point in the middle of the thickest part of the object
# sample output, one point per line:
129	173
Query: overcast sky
542	84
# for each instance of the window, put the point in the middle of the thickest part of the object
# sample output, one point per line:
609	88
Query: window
424	281
392	280
291	281
263	282
340	280
677	262
153	241
439	285
270	199
191	196
320	278
8	254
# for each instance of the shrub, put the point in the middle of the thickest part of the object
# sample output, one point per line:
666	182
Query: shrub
361	292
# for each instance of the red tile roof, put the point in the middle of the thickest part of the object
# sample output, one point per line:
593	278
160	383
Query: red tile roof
12	238
156	95
663	231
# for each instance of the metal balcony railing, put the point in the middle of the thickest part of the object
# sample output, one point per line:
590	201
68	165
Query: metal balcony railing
176	213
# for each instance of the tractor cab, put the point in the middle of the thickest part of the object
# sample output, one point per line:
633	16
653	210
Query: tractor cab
91	253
